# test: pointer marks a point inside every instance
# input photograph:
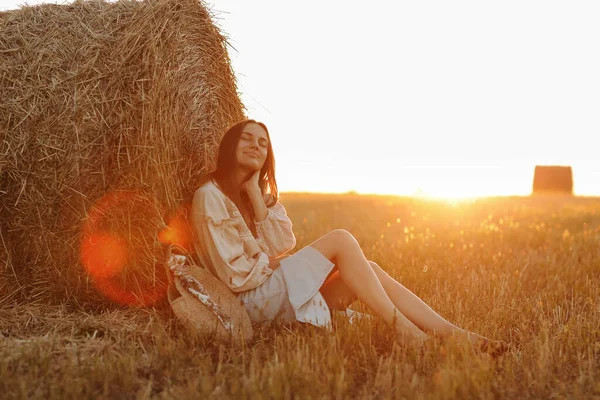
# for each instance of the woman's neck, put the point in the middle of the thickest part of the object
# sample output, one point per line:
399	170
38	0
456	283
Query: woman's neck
239	176
233	185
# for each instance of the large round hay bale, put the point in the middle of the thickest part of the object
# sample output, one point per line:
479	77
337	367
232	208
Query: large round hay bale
110	112
552	179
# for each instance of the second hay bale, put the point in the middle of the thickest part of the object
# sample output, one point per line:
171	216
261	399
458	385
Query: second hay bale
549	179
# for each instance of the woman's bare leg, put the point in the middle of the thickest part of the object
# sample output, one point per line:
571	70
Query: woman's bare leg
424	317
413	307
338	295
341	248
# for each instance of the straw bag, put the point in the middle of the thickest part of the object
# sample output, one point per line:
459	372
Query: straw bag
202	302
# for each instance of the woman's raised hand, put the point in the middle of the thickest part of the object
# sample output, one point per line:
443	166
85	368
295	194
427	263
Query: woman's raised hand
251	185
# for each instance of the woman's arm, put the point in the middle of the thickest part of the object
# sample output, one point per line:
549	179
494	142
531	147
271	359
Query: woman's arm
273	226
255	195
217	240
258	204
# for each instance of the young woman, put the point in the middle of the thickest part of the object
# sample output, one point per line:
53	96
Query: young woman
241	232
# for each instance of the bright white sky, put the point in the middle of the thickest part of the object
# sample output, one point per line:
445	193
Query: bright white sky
455	98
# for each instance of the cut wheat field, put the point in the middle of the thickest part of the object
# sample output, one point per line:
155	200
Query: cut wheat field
526	270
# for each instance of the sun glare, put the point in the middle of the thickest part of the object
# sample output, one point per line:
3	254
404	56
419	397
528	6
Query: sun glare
449	197
427	179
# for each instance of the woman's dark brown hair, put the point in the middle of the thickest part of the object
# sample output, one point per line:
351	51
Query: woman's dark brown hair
226	163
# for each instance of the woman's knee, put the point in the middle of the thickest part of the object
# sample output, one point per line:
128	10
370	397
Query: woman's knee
342	237
378	270
334	243
383	276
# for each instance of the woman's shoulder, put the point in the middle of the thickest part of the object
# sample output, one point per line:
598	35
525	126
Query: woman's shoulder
209	192
210	202
208	187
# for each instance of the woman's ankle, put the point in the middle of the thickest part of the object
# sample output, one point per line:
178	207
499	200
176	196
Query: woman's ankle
405	328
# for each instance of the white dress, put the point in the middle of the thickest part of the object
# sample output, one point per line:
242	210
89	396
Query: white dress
292	291
226	246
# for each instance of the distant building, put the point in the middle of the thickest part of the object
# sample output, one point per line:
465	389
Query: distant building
549	179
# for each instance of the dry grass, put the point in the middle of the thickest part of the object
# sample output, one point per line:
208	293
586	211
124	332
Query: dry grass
522	269
97	98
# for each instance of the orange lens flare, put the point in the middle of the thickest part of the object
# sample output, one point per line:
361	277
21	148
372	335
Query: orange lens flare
177	231
105	255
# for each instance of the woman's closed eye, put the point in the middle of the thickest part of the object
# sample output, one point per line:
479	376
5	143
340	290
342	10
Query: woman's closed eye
262	143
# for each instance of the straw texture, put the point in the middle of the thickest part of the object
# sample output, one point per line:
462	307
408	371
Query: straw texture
110	114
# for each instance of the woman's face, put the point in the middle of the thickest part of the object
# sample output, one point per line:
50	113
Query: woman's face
252	148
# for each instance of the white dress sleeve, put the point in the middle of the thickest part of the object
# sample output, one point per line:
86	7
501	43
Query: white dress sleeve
275	231
241	265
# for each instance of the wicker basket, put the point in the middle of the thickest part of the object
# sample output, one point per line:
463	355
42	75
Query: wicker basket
202	302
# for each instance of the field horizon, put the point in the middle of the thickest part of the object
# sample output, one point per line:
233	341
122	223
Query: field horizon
447	198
